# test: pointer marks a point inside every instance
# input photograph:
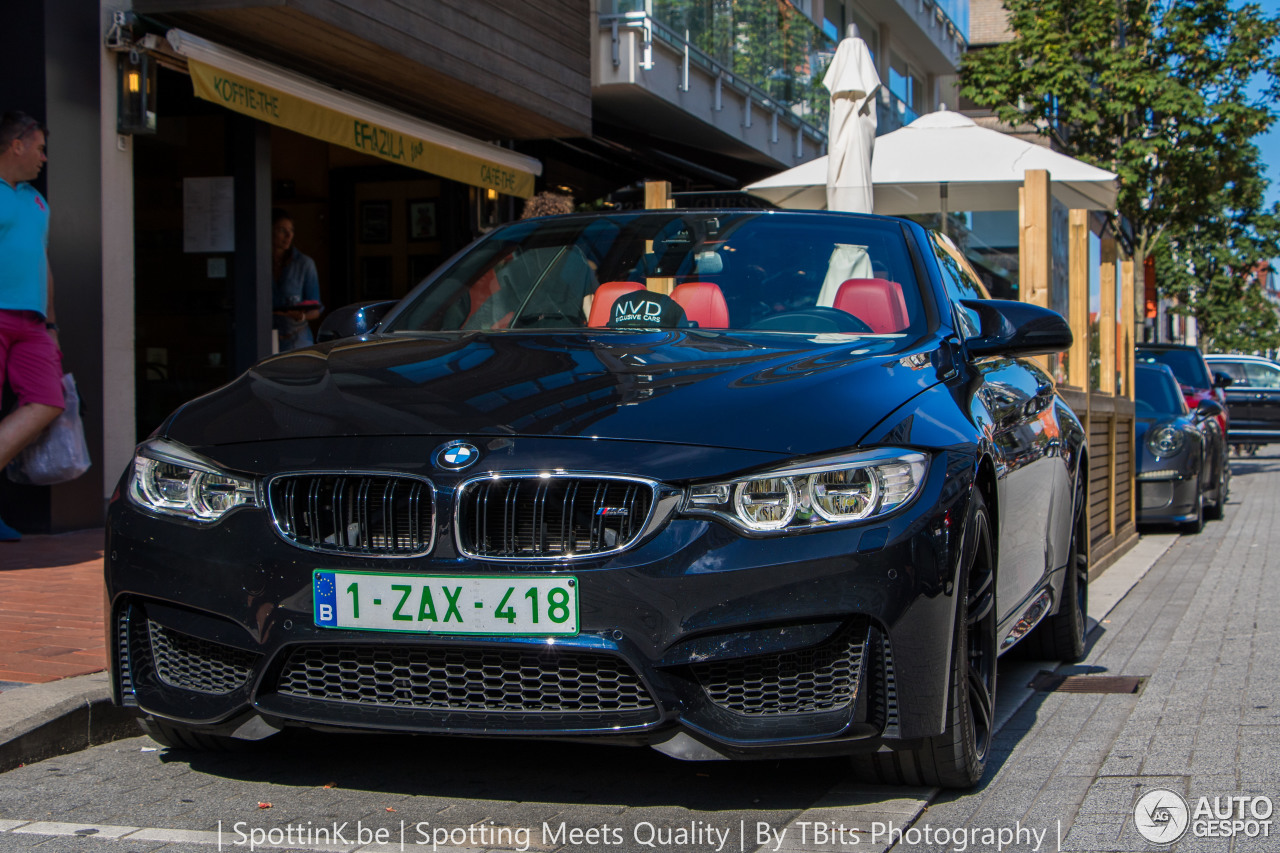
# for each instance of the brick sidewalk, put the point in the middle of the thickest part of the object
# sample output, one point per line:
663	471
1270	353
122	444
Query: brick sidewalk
1201	626
51	607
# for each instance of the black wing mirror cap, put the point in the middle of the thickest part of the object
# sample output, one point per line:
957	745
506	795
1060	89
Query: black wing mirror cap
348	321
1208	409
1221	380
1017	329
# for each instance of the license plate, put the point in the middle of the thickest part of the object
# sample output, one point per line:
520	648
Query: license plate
515	606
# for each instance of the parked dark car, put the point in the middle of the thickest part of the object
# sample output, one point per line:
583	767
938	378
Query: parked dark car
1183	471
729	483
1253	399
1192	372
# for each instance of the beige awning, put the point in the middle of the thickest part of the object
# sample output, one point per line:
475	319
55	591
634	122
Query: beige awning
290	100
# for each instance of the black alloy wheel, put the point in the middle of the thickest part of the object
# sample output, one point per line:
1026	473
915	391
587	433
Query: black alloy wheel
980	638
957	757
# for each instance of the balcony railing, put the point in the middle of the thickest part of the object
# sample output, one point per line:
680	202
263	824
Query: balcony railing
770	46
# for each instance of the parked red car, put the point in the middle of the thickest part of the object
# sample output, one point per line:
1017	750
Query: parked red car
1192	372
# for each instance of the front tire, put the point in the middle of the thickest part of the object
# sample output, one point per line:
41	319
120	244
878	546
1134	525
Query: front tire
957	757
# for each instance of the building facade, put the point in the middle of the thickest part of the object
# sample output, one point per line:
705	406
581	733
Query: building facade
393	135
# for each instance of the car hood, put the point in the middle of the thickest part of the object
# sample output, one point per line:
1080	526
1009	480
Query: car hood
788	394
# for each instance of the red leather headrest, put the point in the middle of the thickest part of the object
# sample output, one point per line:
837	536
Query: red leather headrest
877	302
703	303
604	298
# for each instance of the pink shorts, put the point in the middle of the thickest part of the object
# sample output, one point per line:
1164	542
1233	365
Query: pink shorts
30	362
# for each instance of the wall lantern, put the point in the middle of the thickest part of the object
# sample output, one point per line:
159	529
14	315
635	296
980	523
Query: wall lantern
136	93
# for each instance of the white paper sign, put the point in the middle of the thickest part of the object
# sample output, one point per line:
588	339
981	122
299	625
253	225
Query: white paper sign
208	215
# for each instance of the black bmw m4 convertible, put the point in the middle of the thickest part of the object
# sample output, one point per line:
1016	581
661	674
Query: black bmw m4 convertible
731	483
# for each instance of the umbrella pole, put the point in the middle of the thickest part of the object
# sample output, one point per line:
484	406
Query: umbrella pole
942	201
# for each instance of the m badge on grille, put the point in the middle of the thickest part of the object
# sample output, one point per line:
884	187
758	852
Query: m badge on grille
456	455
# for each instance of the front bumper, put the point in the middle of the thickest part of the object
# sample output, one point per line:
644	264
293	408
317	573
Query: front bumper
831	641
1173	500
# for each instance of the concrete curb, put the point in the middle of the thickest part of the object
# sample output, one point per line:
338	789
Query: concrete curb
59	717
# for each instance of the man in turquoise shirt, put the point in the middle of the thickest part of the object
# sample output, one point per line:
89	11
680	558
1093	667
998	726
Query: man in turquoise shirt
30	360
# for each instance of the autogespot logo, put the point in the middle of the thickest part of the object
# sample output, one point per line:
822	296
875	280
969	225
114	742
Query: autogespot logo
456	455
1161	816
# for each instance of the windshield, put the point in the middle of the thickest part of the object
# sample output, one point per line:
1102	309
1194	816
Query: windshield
1187	365
1156	394
782	272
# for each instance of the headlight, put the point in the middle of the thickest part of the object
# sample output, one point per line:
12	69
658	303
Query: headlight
172	480
1165	440
839	491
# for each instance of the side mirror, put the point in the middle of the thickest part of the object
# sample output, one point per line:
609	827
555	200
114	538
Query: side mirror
351	320
1221	380
1017	329
1208	409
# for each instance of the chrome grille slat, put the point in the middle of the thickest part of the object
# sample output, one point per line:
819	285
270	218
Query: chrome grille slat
534	517
375	515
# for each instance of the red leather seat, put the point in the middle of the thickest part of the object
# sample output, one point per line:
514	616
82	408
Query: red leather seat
877	302
703	303
604	298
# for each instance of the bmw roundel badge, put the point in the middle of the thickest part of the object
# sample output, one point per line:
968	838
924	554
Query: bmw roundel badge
456	455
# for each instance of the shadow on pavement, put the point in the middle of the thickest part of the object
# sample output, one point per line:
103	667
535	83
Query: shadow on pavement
53	551
552	772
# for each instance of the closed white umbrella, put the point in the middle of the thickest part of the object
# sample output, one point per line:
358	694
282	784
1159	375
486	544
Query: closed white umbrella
852	81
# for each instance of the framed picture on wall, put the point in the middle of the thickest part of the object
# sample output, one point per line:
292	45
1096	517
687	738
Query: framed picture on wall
375	222
422	219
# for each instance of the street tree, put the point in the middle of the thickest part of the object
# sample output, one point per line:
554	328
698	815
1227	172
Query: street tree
1166	94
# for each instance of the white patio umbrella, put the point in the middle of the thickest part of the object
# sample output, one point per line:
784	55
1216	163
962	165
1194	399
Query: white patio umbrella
851	129
944	161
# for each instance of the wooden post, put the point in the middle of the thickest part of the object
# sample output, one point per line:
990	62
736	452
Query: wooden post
1078	298
657	196
1107	318
1034	244
1128	283
1033	278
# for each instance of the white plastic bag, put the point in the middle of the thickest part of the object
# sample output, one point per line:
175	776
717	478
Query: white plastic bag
60	453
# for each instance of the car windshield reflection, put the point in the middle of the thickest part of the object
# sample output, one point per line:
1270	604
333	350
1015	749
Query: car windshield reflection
767	272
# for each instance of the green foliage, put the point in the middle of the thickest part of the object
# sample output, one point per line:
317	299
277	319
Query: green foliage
1159	93
1212	272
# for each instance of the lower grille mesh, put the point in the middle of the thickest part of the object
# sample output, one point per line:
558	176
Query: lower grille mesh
445	679
823	678
194	664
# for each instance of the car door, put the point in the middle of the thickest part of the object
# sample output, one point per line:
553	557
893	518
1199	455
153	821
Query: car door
1264	389
1019	396
1239	395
